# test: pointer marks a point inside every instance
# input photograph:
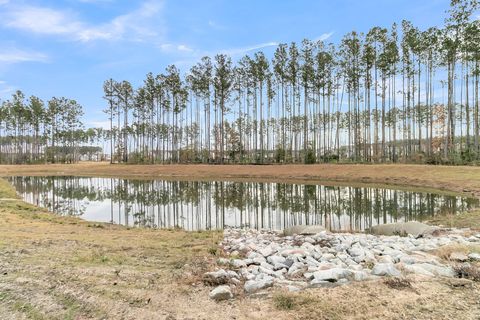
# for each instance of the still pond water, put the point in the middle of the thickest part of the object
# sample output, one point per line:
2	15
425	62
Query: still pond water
197	205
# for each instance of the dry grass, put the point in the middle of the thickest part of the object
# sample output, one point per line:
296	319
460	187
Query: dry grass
445	251
398	283
467	271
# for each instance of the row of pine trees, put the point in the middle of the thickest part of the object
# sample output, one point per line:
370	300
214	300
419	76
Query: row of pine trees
398	94
32	131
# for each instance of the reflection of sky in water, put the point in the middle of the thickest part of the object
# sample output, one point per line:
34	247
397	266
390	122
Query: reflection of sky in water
97	211
213	205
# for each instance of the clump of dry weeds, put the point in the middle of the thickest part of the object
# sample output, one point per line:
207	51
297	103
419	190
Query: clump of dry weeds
398	283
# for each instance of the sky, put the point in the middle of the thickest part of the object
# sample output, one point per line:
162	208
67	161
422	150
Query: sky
69	48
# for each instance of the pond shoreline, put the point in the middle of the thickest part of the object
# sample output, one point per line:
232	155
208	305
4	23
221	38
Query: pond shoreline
459	179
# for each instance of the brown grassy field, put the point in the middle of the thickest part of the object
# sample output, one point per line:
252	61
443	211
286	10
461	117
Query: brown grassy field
65	268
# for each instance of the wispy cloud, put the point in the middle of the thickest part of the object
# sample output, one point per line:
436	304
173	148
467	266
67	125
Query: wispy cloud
215	25
324	36
244	50
6	89
14	55
175	48
134	25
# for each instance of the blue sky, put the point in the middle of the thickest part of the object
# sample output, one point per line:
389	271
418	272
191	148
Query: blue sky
68	48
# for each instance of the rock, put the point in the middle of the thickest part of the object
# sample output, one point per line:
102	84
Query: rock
303	230
360	276
474	256
458	256
252	286
216	278
266	271
259	260
267	251
223	261
332	275
386	269
386	259
238	263
414	228
221	293
327	257
266	265
442	271
277	259
279	266
322	284
356	251
232	274
413	268
293	252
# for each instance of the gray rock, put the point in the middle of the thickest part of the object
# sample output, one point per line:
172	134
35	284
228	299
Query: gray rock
361	276
266	265
279	266
414	228
216	278
259	260
294	252
322	284
267	251
221	293
414	268
252	286
356	251
386	269
266	271
223	261
276	259
443	271
332	275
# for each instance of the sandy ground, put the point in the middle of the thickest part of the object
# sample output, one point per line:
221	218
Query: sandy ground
66	268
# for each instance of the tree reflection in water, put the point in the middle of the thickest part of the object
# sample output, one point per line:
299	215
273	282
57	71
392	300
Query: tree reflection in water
203	205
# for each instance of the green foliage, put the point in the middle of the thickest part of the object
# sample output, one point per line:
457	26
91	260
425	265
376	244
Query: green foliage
310	157
280	154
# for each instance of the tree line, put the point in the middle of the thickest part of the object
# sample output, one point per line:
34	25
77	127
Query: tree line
32	131
398	94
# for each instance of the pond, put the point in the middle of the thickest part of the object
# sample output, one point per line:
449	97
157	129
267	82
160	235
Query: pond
204	205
